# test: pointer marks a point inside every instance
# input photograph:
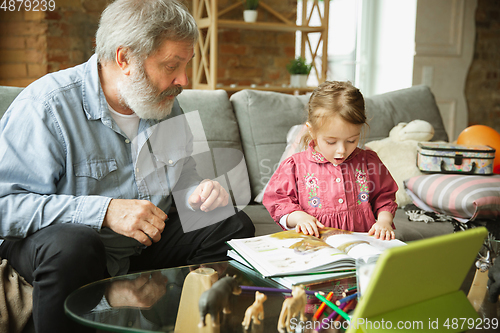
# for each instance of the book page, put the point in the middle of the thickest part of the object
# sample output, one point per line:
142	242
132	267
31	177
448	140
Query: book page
358	244
289	252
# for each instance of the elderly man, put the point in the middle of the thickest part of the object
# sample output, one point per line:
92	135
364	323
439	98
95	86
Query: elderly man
76	205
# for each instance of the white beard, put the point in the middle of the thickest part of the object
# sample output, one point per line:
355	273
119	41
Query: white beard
139	94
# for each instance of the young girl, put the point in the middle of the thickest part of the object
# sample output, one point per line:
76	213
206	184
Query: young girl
333	183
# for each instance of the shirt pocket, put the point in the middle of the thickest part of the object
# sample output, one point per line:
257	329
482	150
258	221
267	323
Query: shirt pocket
172	158
96	177
172	163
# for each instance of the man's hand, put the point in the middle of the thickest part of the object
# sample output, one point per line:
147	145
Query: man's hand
208	196
138	219
142	292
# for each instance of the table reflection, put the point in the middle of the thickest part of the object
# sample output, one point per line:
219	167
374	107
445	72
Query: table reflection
164	300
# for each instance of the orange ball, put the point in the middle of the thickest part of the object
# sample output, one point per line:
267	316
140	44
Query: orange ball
482	135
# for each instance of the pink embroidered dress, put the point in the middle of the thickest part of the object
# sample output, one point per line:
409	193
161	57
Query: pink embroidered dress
347	196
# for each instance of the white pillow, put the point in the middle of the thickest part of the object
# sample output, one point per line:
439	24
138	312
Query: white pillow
400	158
292	146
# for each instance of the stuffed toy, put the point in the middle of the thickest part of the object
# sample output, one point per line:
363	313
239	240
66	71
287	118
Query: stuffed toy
398	152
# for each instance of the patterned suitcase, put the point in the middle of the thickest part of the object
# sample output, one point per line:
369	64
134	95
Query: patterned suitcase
436	157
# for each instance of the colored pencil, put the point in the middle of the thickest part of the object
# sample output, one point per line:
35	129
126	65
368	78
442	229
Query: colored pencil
347	293
333	306
346	307
351	288
326	323
322	306
272	290
346	299
334	313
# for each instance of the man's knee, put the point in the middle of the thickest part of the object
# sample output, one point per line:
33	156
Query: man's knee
245	224
72	248
248	228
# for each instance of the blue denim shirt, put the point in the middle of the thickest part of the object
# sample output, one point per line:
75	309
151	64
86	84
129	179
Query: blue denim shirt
63	158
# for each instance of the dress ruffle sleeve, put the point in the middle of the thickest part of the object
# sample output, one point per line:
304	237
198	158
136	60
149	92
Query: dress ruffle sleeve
383	198
281	195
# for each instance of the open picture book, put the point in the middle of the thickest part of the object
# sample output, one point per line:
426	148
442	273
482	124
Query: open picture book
291	253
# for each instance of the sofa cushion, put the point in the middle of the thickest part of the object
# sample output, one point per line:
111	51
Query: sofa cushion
216	112
463	197
264	119
293	146
264	223
407	230
385	111
217	144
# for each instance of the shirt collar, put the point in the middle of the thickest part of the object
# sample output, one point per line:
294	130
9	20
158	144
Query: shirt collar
94	102
315	156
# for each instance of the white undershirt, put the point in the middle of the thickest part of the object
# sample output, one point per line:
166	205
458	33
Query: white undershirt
128	123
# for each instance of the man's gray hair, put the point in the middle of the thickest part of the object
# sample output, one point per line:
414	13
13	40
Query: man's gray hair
142	26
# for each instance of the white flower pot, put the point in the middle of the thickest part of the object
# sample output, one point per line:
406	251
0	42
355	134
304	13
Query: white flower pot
298	80
250	15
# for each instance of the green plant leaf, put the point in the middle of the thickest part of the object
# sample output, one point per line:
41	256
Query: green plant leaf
251	4
298	66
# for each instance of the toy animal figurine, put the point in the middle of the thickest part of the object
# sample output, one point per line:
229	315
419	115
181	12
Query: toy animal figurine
292	307
216	299
255	311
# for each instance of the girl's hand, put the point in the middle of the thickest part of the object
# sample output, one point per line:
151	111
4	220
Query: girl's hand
304	223
382	231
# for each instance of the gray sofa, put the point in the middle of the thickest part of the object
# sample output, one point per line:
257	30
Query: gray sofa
255	124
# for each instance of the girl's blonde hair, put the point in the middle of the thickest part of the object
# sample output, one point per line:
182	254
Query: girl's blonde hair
334	98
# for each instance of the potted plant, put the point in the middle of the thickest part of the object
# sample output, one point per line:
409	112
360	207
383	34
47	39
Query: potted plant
299	69
250	12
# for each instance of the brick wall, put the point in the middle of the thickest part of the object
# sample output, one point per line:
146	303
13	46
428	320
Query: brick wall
71	32
482	88
256	57
23	47
34	43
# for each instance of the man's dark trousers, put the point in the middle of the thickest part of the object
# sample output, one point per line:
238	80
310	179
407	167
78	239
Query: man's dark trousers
59	259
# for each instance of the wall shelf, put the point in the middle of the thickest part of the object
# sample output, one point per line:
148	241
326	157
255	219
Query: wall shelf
288	90
267	26
209	21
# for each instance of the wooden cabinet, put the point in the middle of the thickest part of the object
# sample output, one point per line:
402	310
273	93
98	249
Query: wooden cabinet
210	21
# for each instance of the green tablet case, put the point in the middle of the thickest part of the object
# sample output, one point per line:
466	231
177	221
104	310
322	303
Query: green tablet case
417	286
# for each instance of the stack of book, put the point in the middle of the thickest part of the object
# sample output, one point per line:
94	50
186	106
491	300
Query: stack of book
291	258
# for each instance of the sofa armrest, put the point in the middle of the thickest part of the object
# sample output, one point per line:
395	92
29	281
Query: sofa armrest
7	95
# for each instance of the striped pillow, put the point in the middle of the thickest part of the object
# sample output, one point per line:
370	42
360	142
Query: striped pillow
463	197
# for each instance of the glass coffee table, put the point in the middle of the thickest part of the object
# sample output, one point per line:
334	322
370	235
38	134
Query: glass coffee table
167	301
